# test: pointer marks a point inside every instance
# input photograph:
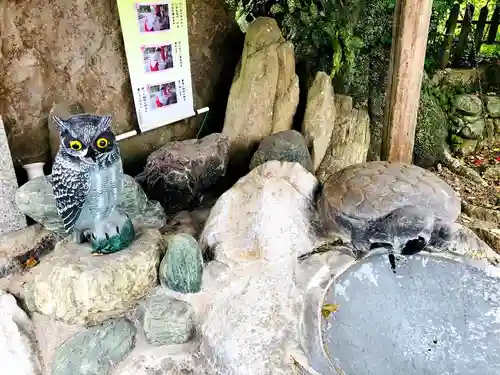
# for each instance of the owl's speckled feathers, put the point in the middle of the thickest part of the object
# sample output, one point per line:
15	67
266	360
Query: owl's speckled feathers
71	185
80	160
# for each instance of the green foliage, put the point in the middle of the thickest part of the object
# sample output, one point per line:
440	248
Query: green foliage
444	93
440	13
349	39
321	30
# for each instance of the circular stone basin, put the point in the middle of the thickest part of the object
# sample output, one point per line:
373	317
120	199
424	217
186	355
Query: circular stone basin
434	316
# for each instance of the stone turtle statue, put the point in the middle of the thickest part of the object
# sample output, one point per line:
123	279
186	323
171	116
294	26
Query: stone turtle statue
398	206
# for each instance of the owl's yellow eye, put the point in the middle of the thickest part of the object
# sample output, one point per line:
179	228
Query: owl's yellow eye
102	142
75	145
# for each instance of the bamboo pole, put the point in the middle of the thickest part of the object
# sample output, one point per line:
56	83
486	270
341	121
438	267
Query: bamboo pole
409	42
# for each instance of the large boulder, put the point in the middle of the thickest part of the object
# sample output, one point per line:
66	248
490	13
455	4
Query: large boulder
180	173
349	141
256	230
18	350
36	200
77	55
288	145
252	324
265	90
248	221
319	118
73	286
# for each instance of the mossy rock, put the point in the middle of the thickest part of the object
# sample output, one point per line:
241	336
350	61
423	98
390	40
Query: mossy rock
431	132
182	266
467	104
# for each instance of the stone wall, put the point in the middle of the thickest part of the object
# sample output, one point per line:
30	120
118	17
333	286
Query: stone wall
54	51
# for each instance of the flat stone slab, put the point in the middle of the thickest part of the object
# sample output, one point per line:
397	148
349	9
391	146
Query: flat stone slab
436	315
75	287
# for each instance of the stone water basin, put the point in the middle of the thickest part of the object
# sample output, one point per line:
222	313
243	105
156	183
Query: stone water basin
437	315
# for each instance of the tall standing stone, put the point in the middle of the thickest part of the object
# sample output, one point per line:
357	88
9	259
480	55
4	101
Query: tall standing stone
265	90
349	140
11	218
319	118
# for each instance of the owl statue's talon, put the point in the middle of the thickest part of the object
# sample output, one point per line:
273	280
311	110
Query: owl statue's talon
112	234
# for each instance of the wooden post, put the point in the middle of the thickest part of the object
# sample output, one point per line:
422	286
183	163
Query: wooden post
409	42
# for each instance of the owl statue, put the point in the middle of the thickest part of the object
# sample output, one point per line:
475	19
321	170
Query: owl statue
87	179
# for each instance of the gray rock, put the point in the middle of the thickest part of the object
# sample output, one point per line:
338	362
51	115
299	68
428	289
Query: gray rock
467	104
319	117
252	324
166	321
180	173
349	141
182	266
493	106
36	200
18	350
11	218
96	351
473	130
265	216
288	145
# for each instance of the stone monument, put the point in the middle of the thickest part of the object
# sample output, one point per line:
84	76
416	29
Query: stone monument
11	218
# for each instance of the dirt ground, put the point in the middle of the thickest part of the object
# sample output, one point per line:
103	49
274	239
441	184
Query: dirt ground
480	204
487	164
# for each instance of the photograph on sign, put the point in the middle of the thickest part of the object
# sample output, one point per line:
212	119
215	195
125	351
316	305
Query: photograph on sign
162	95
153	17
157	58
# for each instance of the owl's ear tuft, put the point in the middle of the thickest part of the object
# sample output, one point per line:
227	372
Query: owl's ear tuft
105	123
60	124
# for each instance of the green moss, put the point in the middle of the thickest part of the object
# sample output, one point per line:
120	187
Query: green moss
115	243
431	132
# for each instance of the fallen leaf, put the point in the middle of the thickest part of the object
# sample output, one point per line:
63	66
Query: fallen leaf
329	308
31	262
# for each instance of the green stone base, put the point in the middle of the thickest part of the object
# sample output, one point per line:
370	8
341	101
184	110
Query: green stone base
115	243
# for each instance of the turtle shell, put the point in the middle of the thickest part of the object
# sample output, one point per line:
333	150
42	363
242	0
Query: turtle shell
374	189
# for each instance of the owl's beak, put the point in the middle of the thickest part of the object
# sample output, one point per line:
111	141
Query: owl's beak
90	153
